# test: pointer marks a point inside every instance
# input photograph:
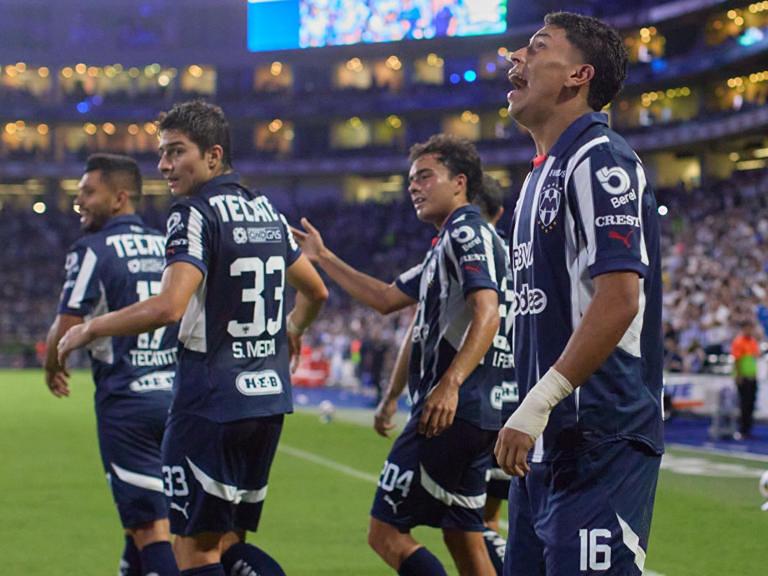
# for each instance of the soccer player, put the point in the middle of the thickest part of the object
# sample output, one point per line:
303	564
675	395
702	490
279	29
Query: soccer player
118	262
585	443
489	200
435	472
228	254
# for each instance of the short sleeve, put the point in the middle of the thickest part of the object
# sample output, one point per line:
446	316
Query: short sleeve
187	237
81	292
477	256
608	191
410	281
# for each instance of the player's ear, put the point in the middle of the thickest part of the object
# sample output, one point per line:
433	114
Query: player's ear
215	156
461	182
121	199
580	76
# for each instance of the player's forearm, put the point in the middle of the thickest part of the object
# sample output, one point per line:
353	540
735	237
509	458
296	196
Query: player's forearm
51	342
305	310
399	378
137	318
362	287
482	330
604	324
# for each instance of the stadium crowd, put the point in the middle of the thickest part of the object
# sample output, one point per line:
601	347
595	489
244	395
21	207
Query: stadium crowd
715	246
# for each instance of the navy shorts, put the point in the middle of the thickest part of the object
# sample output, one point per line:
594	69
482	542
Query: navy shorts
216	474
589	515
436	481
498	481
130	442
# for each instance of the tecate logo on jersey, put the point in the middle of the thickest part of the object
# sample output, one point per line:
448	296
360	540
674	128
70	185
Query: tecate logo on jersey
528	301
263	383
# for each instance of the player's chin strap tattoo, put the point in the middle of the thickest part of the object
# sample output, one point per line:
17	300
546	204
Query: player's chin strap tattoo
533	413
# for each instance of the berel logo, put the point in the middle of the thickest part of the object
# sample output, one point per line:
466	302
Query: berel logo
263	383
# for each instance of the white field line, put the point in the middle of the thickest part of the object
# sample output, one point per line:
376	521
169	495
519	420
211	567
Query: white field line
360	475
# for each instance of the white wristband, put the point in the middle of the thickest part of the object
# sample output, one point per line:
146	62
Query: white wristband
292	328
533	413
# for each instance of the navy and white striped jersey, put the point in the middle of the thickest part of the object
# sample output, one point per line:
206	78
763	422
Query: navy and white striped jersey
587	210
107	270
233	361
467	255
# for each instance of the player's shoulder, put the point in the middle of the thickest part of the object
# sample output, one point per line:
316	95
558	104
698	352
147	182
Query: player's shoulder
468	215
609	145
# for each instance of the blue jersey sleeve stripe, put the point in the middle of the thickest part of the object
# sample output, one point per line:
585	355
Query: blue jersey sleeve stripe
187	258
83	279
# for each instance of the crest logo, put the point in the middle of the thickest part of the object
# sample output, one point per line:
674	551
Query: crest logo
549	205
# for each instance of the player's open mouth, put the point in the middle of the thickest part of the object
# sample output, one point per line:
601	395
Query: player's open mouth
518	83
417	202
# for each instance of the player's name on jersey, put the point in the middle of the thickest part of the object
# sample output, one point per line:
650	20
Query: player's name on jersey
132	245
254	348
503	359
238	209
145	358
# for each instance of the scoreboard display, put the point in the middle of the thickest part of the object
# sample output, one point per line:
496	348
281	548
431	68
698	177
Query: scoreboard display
292	24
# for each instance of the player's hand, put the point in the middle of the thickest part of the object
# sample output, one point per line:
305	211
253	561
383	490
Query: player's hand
76	337
294	349
58	382
382	417
512	447
311	242
439	409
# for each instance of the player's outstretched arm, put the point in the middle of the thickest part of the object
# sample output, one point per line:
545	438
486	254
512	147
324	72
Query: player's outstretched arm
179	283
605	322
440	406
310	296
56	376
380	296
382	417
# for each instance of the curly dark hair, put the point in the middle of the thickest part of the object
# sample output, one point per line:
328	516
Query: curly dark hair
459	155
601	47
203	123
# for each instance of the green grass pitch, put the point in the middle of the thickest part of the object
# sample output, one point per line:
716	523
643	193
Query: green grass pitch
58	518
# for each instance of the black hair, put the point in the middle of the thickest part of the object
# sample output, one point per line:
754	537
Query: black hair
459	155
116	170
490	199
203	123
602	47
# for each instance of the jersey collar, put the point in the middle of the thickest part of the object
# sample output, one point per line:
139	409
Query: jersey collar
576	129
228	178
123	219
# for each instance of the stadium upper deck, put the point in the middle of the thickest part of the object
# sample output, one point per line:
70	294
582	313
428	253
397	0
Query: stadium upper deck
81	76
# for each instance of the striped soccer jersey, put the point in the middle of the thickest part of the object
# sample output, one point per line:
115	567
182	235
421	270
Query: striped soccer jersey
110	269
587	210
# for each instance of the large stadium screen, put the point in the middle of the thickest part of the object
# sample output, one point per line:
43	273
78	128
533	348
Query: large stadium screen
290	24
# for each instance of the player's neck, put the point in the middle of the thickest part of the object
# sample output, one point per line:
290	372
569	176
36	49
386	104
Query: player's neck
546	133
439	225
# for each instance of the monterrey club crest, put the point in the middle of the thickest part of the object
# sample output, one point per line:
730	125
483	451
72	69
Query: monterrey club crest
549	204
